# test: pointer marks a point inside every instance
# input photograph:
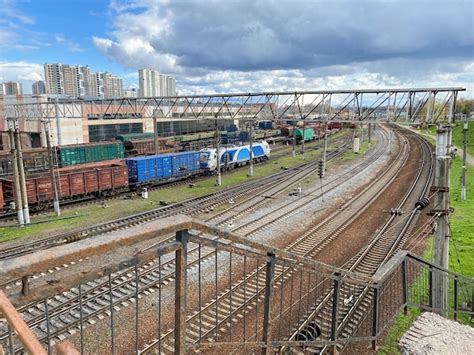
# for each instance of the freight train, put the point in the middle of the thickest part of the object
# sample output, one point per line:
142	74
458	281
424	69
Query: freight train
311	131
233	156
102	179
108	168
129	145
36	159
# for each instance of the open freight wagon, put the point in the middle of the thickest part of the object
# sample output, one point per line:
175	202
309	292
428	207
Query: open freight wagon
103	179
34	160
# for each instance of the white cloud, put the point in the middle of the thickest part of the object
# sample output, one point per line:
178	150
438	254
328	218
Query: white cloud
255	46
70	45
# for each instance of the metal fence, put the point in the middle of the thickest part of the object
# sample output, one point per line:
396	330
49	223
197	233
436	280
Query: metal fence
210	290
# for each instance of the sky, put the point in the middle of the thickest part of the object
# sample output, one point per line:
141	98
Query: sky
246	45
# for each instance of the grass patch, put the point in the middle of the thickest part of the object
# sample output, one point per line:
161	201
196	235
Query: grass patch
401	324
364	147
117	208
458	136
461	246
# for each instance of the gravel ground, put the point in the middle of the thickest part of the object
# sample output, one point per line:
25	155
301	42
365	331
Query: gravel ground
433	334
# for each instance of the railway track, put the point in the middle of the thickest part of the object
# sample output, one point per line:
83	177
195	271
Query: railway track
64	309
245	294
281	151
387	242
191	206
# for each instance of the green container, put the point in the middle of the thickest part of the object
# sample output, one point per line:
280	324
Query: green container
83	154
134	136
308	134
258	135
207	135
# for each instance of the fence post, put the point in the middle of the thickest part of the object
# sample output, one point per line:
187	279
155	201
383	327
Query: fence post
430	285
267	325
335	299
405	286
455	297
180	294
375	315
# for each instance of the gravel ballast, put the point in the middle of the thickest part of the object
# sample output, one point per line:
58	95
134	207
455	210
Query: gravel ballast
433	334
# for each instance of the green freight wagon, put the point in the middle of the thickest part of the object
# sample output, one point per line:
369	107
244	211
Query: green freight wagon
207	135
88	153
308	134
135	136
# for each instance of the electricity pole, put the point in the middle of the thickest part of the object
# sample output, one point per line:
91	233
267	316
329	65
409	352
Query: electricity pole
464	157
302	144
251	149
51	168
369	129
22	180
441	210
218	160
16	177
58	124
294	138
155	133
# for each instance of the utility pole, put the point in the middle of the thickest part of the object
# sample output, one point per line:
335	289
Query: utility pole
218	159
464	157
155	133
51	168
302	143
22	181
251	149
325	147
441	210
16	177
58	124
294	138
370	129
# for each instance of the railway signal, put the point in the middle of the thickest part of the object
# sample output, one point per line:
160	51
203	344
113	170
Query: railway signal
320	169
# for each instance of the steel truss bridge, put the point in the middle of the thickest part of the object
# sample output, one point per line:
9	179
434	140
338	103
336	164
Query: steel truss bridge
428	105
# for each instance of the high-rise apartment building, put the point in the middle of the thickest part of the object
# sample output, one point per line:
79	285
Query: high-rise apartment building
38	88
149	82
152	83
11	88
112	85
170	86
54	78
79	80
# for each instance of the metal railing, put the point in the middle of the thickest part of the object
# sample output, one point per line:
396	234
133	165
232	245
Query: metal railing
209	289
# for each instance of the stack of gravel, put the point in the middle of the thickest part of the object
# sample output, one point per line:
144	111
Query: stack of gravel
433	334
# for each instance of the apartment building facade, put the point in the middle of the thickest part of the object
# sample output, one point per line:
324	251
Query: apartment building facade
152	83
79	80
11	88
